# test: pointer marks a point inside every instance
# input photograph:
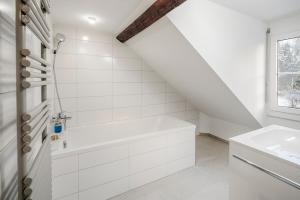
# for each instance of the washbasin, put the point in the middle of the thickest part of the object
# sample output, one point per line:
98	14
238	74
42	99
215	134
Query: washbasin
279	141
265	164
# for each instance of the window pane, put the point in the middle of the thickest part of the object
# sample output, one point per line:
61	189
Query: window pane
288	58
289	90
288	64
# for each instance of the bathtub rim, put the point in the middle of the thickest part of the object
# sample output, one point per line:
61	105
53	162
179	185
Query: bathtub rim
58	154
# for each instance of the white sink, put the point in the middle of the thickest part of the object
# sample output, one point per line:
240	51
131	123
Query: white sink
278	141
265	164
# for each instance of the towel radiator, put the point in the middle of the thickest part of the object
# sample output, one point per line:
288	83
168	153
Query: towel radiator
34	152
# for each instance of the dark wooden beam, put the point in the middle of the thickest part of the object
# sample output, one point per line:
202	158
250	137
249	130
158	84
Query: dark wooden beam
156	11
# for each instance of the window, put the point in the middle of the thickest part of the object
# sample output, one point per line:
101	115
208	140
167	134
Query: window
284	71
288	73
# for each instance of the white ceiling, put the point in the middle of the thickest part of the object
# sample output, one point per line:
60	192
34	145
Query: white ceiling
266	10
109	13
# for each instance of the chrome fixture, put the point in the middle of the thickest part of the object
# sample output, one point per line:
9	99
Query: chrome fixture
62	116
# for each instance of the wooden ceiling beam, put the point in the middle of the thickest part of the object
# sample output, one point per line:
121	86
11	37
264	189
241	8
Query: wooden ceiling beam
156	11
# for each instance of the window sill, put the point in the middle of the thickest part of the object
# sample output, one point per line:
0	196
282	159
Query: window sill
284	114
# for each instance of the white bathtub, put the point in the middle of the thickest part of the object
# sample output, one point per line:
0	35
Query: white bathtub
106	160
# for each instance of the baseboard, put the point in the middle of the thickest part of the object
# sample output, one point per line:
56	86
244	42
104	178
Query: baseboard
213	136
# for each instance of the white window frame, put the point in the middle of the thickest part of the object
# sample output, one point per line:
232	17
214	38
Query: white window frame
273	108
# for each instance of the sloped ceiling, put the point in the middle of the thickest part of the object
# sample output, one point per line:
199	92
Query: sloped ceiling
164	48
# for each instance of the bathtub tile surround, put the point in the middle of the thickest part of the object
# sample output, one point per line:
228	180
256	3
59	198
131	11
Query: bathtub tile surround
207	181
103	166
101	80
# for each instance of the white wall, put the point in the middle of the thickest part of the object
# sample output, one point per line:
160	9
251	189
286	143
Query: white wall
233	45
101	80
285	25
220	128
8	142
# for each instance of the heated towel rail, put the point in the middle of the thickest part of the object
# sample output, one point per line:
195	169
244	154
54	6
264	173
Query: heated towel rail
33	74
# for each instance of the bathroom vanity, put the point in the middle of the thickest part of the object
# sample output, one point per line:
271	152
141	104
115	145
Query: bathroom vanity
265	165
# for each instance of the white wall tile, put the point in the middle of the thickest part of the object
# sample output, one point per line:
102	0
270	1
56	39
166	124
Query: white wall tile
71	197
98	175
127	88
7	118
174	97
66	61
147	176
66	75
94	103
151	77
153	110
170	89
8	170
147	67
181	150
127	101
179	115
69	47
180	164
94	62
94	116
146	161
154	88
175	107
93	36
106	191
147	145
94	89
153	99
127	113
94	48
69	31
103	156
180	136
74	119
7	66
67	90
127	64
100	66
127	76
122	51
191	114
88	75
65	185
64	165
68	104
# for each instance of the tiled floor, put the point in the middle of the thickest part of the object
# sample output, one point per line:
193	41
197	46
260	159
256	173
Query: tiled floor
208	180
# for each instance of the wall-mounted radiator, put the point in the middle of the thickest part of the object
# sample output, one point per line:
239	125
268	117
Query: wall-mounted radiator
34	158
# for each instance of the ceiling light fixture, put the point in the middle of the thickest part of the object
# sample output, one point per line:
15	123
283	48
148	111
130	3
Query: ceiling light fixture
91	20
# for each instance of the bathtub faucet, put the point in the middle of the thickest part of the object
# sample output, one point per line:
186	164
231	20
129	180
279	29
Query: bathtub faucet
64	117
